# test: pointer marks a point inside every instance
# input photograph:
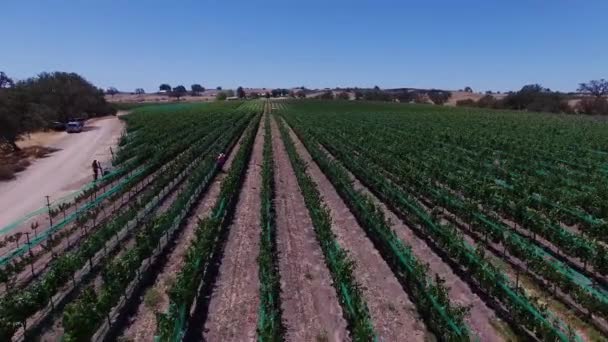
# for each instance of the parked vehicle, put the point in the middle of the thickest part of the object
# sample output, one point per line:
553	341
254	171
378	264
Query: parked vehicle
74	126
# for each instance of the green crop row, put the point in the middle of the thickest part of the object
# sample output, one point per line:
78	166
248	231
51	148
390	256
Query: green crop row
82	317
270	327
431	297
339	263
172	325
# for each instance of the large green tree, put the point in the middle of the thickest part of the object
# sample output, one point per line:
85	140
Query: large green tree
35	102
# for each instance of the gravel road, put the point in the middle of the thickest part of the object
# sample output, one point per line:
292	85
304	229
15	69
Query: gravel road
63	171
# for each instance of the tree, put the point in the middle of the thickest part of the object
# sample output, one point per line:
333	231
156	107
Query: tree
5	81
597	88
218	88
275	92
300	94
488	101
406	96
358	95
468	89
221	96
164	87
140	91
593	106
230	93
376	95
240	93
466	103
439	97
534	97
112	91
35	102
178	92
197	89
343	96
328	95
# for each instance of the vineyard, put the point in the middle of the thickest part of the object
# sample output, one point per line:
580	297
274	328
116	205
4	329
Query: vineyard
328	221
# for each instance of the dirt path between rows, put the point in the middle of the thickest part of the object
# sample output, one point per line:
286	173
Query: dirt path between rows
311	310
234	303
142	325
62	172
394	316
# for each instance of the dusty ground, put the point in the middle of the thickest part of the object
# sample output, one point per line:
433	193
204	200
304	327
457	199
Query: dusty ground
311	310
234	302
63	171
394	315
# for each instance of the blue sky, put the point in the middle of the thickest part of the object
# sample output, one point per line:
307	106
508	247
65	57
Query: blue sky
498	45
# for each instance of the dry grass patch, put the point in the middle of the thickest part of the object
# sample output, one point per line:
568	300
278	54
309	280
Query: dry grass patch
14	162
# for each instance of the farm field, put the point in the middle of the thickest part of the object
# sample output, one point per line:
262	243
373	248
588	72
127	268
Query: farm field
328	221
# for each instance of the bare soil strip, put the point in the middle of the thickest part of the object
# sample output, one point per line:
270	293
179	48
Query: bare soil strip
394	315
233	307
142	326
311	310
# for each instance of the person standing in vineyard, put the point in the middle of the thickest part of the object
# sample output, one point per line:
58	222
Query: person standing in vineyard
96	168
221	159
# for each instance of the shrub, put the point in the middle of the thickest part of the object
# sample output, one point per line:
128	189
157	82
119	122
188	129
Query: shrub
593	106
343	96
488	101
439	97
221	96
152	298
22	165
466	103
6	172
328	95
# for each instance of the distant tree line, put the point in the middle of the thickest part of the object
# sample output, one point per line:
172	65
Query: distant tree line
536	98
180	90
435	96
37	102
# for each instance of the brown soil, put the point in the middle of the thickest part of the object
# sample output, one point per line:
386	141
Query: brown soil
394	315
142	326
234	302
311	310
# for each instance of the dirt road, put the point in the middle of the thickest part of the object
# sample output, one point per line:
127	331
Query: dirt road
63	171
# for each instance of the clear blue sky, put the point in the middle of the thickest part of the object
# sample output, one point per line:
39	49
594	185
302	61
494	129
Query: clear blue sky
492	44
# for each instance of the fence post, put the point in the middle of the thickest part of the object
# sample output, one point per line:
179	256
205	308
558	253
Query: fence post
48	205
